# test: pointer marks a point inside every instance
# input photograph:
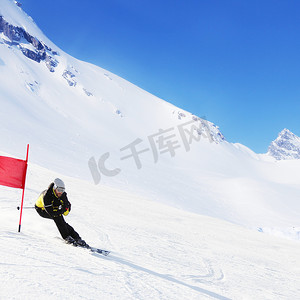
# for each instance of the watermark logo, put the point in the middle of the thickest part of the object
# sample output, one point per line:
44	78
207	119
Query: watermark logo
161	142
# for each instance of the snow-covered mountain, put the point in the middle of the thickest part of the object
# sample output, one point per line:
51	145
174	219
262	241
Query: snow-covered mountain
286	146
100	106
149	181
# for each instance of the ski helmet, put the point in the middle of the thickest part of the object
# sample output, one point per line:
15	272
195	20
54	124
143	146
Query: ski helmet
59	185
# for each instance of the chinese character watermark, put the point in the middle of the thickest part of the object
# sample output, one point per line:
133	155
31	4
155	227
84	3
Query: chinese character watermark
161	142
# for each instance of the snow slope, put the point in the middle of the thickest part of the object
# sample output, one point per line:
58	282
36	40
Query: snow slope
158	252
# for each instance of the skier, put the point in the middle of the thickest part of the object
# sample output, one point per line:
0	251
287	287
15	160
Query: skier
53	204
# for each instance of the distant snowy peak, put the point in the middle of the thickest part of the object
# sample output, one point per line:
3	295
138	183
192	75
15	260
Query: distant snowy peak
286	146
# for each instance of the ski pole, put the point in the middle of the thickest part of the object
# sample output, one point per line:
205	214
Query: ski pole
25	207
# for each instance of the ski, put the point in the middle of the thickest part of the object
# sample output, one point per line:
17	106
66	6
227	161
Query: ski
97	250
93	249
88	247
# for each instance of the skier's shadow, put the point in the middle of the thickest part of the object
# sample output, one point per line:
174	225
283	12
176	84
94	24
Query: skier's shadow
165	277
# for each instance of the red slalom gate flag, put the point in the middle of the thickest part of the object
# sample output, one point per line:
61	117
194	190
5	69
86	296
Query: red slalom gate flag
13	174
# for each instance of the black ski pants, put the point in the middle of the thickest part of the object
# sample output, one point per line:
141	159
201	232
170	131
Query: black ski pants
63	227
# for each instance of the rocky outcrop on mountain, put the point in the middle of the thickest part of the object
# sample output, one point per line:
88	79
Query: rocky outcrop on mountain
200	127
18	37
36	56
19	4
286	146
87	92
51	63
70	77
209	130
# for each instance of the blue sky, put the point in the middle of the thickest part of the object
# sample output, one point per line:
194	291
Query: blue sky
236	62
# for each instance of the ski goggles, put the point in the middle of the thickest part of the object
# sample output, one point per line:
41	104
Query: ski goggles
60	189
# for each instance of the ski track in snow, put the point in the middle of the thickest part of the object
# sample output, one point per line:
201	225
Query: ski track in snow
135	281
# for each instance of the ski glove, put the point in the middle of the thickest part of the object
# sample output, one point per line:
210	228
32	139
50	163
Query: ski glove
66	212
66	208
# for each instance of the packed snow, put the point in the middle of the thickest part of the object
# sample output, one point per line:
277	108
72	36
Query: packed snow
186	214
158	252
